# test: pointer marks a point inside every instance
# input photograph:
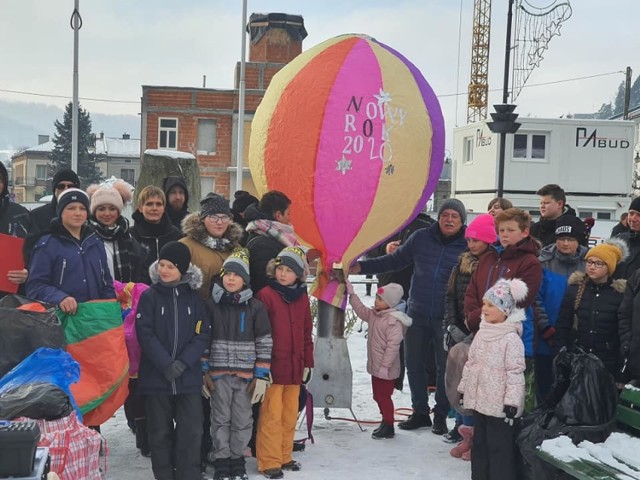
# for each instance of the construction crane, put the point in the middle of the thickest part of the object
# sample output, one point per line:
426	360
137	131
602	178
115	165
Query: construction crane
479	82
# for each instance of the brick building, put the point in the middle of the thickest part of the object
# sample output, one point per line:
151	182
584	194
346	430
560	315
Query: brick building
204	121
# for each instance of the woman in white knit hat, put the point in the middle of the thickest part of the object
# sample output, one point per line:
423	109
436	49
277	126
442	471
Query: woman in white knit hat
124	254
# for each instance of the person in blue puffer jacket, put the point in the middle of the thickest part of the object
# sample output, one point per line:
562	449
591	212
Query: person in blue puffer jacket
433	252
69	265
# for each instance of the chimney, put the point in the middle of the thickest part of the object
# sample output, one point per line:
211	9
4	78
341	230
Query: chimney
101	137
126	136
43	139
275	37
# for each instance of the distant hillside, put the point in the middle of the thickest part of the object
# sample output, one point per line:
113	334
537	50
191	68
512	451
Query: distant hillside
22	122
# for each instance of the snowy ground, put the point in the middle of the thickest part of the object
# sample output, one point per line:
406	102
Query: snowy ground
341	449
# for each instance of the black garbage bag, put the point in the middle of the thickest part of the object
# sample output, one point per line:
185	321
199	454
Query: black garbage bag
23	331
581	405
35	400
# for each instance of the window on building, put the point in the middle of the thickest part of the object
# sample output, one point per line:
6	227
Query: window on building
168	133
207	136
128	175
530	146
597	214
42	172
467	149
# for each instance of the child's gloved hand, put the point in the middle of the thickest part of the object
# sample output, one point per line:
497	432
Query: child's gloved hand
174	370
510	413
257	388
349	287
307	373
208	386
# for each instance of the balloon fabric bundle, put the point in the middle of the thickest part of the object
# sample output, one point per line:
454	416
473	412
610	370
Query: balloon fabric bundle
95	338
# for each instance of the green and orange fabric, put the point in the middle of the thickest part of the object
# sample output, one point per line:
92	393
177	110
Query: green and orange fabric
95	339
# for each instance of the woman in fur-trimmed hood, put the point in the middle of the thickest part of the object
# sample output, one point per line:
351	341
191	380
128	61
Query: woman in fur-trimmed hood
211	236
589	315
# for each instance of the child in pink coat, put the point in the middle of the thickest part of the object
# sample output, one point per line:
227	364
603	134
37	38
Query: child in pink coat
386	330
492	382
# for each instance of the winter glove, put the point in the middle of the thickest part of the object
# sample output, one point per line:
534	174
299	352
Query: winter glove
446	341
307	373
174	370
349	287
461	401
548	333
510	413
257	388
208	386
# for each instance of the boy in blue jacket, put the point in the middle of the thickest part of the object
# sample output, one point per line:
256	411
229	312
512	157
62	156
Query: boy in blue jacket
174	328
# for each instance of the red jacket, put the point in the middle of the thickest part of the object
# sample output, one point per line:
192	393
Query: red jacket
517	261
291	328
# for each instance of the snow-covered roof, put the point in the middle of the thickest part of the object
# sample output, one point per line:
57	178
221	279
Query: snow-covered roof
169	154
118	147
42	148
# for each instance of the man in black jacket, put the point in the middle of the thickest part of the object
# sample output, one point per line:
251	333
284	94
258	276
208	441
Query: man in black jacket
14	220
175	190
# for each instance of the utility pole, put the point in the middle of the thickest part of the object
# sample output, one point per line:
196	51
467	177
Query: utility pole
627	94
76	25
504	120
240	145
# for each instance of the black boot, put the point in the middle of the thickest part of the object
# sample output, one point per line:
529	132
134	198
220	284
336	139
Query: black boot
416	420
222	469
378	427
142	441
453	436
238	470
386	431
439	424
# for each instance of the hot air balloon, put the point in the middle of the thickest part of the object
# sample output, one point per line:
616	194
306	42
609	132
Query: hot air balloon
353	134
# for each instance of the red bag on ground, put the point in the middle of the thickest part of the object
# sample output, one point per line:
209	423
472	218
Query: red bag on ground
74	448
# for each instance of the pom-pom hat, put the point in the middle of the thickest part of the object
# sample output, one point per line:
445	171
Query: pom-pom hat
612	252
505	294
391	293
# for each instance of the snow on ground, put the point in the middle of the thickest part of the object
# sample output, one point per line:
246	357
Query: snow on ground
341	449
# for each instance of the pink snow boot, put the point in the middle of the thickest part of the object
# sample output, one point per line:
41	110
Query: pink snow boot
465	445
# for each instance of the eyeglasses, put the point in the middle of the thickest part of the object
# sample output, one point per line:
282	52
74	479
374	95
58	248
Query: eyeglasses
219	218
596	263
64	186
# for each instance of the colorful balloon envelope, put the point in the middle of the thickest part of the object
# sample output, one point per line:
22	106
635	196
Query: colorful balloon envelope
353	134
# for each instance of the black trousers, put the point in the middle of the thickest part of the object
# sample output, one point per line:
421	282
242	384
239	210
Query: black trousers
493	456
180	442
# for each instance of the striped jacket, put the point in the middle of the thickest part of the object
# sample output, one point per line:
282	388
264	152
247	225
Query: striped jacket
240	339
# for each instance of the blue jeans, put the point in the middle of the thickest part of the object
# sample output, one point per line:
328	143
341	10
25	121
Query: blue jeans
419	335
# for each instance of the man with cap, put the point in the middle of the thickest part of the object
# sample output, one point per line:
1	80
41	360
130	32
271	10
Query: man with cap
42	216
242	200
632	237
433	251
14	220
175	190
558	261
68	265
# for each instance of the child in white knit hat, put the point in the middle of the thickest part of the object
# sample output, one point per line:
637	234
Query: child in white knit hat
387	327
492	383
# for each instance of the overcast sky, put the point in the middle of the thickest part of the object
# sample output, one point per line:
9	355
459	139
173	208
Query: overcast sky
125	44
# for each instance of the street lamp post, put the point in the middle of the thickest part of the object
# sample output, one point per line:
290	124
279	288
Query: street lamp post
241	87
76	25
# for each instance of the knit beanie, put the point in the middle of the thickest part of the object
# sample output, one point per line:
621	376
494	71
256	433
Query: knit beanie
454	204
71	195
295	259
178	254
106	195
505	294
635	204
482	228
611	252
214	204
238	263
65	175
242	200
391	293
570	226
